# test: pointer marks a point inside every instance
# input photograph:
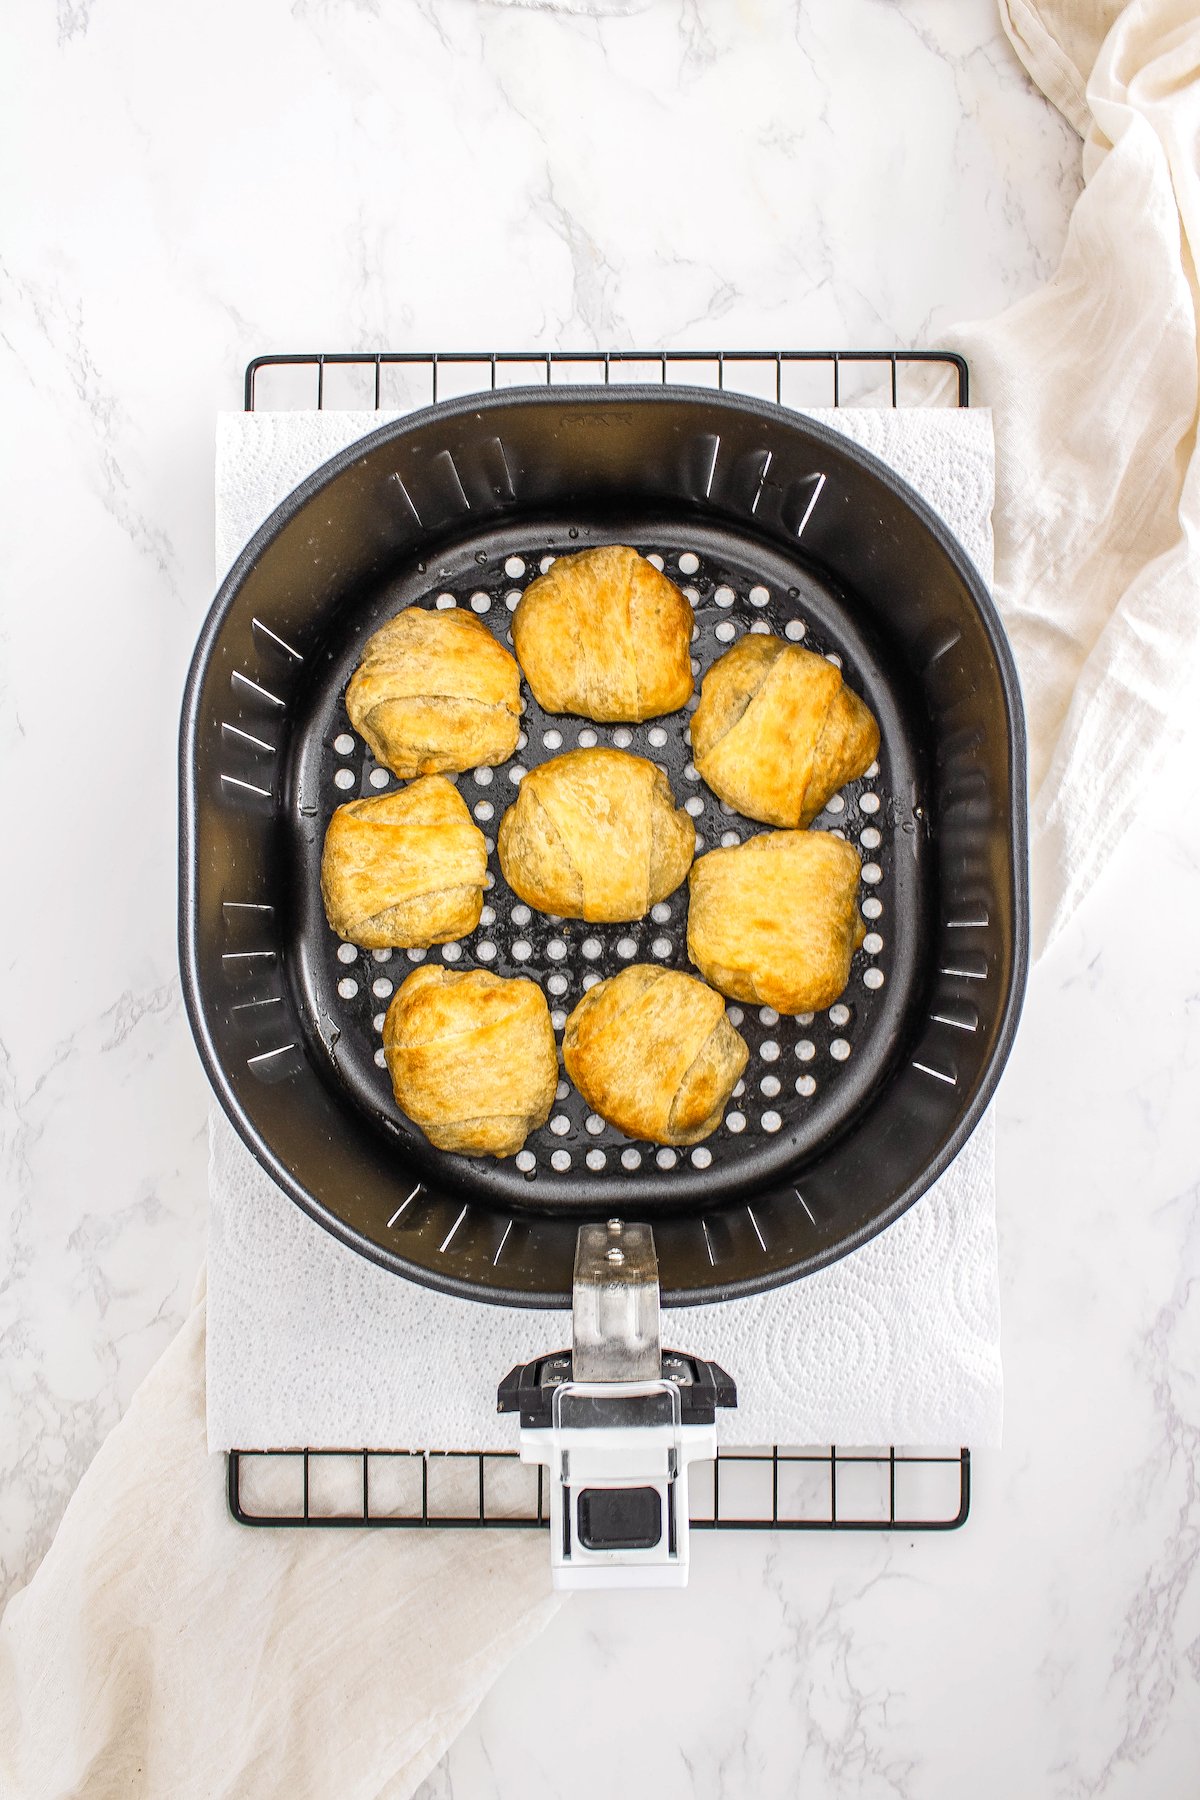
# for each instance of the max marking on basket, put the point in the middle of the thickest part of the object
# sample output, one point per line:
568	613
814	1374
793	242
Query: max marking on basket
574	885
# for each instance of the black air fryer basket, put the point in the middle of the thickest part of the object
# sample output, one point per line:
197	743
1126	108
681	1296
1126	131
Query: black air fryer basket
768	521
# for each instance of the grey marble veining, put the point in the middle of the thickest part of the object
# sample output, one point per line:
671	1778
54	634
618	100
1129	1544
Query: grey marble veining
201	185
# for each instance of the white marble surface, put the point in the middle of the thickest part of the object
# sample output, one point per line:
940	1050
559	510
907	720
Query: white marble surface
198	185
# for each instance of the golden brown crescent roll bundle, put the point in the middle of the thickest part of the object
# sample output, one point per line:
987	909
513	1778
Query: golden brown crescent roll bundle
472	1058
404	868
595	834
435	691
773	921
652	1052
606	635
777	731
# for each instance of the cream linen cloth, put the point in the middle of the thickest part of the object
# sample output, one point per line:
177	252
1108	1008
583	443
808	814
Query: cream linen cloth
1093	388
170	1653
162	1652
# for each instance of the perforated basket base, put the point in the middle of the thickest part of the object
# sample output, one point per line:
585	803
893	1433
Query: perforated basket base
806	1075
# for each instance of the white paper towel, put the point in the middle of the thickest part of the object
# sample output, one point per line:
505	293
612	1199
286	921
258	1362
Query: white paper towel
946	453
309	1343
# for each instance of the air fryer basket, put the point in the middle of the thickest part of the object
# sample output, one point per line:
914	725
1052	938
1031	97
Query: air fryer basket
769	521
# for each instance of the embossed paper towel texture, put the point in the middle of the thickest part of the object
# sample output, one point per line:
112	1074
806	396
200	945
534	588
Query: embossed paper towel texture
310	1344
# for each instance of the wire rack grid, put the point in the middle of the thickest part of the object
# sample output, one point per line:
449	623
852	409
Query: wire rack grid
773	1488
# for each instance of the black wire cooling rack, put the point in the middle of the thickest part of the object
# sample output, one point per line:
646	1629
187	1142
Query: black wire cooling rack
771	1489
775	1488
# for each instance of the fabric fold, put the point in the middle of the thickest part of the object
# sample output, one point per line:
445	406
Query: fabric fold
161	1649
1093	387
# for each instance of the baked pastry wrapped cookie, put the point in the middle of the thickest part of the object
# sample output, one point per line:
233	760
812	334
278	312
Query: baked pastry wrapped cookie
595	834
777	731
472	1058
435	692
652	1051
404	868
607	635
774	922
